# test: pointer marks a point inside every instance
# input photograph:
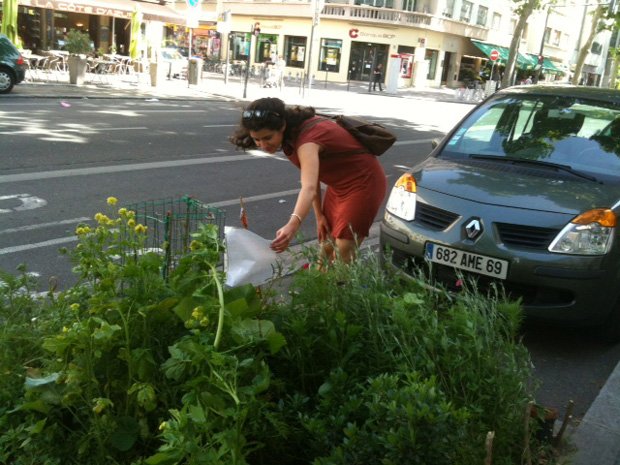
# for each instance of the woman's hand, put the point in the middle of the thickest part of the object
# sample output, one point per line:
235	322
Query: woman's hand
284	236
322	228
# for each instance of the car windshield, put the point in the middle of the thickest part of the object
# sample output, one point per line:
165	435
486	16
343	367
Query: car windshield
583	135
171	54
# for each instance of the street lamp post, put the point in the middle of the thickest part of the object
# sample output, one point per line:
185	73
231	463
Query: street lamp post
255	31
317	6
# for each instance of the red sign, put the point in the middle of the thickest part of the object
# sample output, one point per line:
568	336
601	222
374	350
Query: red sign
494	55
353	33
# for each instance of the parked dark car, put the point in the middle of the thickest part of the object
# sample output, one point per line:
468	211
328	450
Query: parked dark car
12	65
523	192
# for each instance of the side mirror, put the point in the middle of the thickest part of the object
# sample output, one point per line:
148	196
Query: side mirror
434	143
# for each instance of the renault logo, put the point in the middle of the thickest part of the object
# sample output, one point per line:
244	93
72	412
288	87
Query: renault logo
473	228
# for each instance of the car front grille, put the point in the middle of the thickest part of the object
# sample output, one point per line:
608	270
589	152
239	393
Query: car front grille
525	236
433	217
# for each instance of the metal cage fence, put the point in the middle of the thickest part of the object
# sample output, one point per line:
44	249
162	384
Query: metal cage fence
170	224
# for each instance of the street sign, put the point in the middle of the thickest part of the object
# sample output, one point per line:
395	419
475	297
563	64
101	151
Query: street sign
494	55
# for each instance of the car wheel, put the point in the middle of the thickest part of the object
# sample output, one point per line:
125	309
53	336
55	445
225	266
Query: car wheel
7	81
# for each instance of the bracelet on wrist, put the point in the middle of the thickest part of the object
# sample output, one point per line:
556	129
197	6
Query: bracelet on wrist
295	215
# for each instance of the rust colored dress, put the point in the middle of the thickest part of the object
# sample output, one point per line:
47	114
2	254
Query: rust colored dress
355	181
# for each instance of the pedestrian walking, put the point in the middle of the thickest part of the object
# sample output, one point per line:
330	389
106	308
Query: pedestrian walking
377	77
325	153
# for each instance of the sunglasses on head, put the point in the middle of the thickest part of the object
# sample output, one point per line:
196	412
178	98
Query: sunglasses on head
258	114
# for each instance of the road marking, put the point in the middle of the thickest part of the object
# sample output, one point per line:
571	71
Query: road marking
220	126
25	132
22	248
119	168
28	202
169	110
52	224
65	240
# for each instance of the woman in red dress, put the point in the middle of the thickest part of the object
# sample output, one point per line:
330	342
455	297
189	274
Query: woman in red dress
325	153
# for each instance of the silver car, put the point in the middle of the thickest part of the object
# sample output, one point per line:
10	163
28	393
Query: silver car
523	192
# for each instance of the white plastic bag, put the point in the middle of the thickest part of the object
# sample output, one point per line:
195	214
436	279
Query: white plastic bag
248	258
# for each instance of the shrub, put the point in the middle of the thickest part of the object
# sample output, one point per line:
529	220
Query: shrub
351	365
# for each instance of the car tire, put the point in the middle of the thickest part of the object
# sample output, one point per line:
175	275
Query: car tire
7	80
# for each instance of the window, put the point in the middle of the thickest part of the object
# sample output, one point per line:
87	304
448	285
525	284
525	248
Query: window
295	51
329	58
431	56
557	36
483	12
266	47
497	21
377	3
409	5
547	35
240	46
448	12
596	48
466	8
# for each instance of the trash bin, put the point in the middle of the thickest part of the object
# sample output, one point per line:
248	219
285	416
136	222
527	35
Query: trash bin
194	71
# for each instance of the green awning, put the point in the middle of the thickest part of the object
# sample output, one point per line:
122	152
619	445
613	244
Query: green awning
548	66
523	61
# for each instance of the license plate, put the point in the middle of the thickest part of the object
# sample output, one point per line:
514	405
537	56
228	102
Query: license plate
467	261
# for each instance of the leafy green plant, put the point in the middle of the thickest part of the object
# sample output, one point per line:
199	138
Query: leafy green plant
353	364
78	42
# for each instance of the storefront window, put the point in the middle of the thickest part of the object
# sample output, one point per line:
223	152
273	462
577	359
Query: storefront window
240	45
431	56
295	51
267	48
330	55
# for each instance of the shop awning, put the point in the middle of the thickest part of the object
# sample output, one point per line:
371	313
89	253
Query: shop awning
115	8
523	61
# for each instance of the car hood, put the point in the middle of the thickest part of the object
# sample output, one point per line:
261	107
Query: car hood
517	186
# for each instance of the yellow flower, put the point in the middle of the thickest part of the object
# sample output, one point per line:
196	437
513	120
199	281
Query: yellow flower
195	245
112	200
204	322
65	329
122	211
197	313
163	425
140	229
74	307
131	222
102	219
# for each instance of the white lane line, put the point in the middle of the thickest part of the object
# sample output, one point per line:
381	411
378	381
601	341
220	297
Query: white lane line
22	248
32	227
220	125
169	110
119	168
65	240
78	130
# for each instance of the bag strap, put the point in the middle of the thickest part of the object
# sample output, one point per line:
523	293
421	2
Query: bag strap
308	124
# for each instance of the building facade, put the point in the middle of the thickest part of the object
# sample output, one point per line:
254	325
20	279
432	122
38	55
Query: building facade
418	42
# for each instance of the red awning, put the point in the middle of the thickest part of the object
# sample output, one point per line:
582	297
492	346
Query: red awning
115	8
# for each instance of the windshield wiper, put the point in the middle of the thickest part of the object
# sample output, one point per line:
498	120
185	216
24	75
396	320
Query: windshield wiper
527	161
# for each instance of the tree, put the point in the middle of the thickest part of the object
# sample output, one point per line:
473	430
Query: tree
596	27
524	9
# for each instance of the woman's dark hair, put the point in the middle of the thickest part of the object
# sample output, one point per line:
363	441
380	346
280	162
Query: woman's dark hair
269	113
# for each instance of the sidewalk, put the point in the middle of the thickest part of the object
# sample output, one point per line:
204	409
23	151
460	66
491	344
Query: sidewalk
321	94
597	437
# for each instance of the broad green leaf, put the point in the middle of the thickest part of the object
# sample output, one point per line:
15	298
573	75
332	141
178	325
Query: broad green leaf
197	414
164	458
275	341
125	435
184	308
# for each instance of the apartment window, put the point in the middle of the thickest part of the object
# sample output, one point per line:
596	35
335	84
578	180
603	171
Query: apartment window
329	58
409	5
295	51
596	48
466	8
557	36
377	3
448	12
547	35
497	21
481	19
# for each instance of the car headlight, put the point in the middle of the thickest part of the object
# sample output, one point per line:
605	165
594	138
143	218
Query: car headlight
402	199
590	233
